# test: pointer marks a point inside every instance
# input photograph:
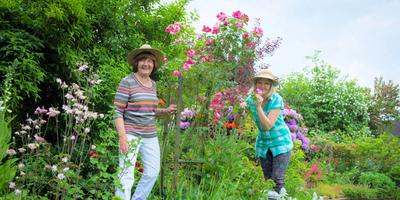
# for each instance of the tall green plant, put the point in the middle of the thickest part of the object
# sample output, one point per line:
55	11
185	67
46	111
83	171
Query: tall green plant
7	166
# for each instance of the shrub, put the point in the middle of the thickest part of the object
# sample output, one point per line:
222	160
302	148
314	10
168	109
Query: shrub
378	181
326	100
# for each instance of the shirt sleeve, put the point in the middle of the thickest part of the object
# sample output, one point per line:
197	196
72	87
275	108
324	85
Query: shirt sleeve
249	102
276	102
121	98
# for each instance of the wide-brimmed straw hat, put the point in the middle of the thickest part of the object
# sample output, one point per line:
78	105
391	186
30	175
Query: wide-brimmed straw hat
267	74
159	55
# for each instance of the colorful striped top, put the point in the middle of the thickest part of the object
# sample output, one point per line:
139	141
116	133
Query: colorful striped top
136	104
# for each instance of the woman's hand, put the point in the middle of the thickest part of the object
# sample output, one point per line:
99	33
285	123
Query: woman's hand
259	99
123	144
172	108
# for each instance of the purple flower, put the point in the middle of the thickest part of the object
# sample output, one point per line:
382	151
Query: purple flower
293	137
184	125
293	127
300	136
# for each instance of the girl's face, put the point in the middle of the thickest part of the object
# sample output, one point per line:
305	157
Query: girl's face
262	86
145	66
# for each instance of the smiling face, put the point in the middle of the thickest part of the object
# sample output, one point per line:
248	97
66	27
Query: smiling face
145	66
262	86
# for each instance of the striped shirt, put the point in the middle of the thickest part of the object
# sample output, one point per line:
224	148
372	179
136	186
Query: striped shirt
136	104
278	138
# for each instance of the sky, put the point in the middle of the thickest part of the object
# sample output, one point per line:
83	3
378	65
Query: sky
361	38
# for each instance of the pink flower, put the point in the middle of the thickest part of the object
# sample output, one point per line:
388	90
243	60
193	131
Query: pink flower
245	36
258	31
216	29
165	59
221	16
189	61
237	14
39	139
177	73
259	91
239	24
209	42
191	52
250	45
206	29
186	66
226	21
53	112
173	28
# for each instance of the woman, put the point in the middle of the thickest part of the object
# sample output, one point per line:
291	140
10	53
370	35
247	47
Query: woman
274	143
136	107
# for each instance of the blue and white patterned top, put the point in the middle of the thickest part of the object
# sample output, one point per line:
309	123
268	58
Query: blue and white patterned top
278	138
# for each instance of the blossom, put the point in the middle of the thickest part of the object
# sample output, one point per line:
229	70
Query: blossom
177	73
209	42
87	130
191	52
93	147
215	29
17	192
165	59
221	16
21	150
245	36
239	24
237	14
11	185
83	67
64	159
33	146
93	154
186	66
54	168
11	152
66	169
53	112
173	28
61	176
206	29
258	31
39	139
184	125
189	61
72	137
21	165
245	17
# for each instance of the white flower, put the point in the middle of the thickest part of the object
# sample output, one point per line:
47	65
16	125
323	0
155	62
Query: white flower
32	146
87	130
101	116
11	185
58	80
93	147
21	165
73	137
22	173
60	176
54	168
11	152
47	167
66	169
27	127
17	191
21	150
65	159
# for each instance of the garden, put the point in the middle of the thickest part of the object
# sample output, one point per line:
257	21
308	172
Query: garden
61	62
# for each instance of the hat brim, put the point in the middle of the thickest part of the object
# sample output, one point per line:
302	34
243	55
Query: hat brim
274	79
159	55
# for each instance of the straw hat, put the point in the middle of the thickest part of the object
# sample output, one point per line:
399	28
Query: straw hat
267	74
146	49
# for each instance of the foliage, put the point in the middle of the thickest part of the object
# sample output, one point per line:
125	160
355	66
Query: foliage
385	104
326	100
7	166
378	181
359	192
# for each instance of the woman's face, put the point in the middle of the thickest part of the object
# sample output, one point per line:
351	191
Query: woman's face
262	86
145	66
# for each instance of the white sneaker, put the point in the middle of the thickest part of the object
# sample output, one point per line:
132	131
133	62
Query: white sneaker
273	195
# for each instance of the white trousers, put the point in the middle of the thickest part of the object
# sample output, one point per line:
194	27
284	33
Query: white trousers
150	151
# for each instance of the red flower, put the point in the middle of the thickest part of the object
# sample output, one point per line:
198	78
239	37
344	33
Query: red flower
93	154
138	164
141	170
230	125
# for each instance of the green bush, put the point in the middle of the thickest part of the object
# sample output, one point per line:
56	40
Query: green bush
359	192
326	100
378	181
